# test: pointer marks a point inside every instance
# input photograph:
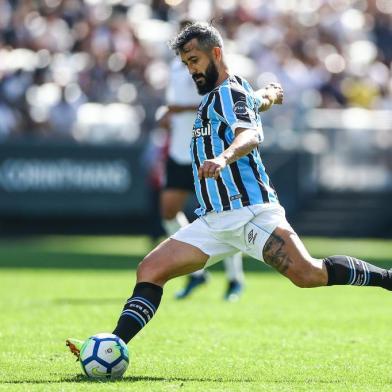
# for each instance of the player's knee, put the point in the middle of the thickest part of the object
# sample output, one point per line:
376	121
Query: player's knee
145	270
149	270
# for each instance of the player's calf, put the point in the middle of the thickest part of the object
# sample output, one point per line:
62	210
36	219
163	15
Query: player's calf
285	252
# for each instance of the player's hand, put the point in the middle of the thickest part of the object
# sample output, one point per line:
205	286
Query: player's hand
274	92
211	168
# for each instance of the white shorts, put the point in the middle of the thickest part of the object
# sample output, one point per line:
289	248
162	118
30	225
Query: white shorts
221	234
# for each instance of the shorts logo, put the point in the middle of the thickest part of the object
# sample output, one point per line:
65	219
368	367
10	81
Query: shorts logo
252	237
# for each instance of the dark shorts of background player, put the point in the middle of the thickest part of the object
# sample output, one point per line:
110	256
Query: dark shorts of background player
178	176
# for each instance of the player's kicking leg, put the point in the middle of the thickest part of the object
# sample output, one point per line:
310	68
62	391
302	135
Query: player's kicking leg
285	252
170	259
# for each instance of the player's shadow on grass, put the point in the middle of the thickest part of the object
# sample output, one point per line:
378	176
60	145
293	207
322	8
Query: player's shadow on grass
82	378
183	379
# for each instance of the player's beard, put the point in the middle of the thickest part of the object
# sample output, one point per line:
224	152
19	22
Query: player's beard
208	79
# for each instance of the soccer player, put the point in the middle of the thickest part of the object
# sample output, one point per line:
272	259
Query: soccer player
182	103
239	210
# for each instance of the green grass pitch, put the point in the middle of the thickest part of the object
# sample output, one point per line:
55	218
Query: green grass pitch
276	338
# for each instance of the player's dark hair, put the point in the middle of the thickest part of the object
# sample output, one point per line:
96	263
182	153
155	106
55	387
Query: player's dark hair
207	37
185	22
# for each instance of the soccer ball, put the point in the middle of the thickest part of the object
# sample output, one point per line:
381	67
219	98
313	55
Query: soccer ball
104	356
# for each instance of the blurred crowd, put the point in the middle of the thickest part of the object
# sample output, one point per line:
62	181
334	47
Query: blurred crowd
96	71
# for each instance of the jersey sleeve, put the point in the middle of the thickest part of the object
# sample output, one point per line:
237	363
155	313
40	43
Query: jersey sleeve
238	109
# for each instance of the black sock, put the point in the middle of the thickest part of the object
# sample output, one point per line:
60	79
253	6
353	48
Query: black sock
138	310
344	270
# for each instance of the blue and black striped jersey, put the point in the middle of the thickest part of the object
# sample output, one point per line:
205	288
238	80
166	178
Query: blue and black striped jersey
231	105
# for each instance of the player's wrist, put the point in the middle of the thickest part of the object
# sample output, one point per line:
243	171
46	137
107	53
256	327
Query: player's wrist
225	158
265	104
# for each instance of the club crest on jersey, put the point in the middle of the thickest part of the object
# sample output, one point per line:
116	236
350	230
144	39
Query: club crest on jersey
240	108
202	131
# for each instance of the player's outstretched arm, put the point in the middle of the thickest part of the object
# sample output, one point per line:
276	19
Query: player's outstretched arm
270	95
244	142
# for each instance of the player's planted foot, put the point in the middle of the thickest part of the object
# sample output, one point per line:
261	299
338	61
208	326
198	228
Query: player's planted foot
193	282
74	346
234	291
